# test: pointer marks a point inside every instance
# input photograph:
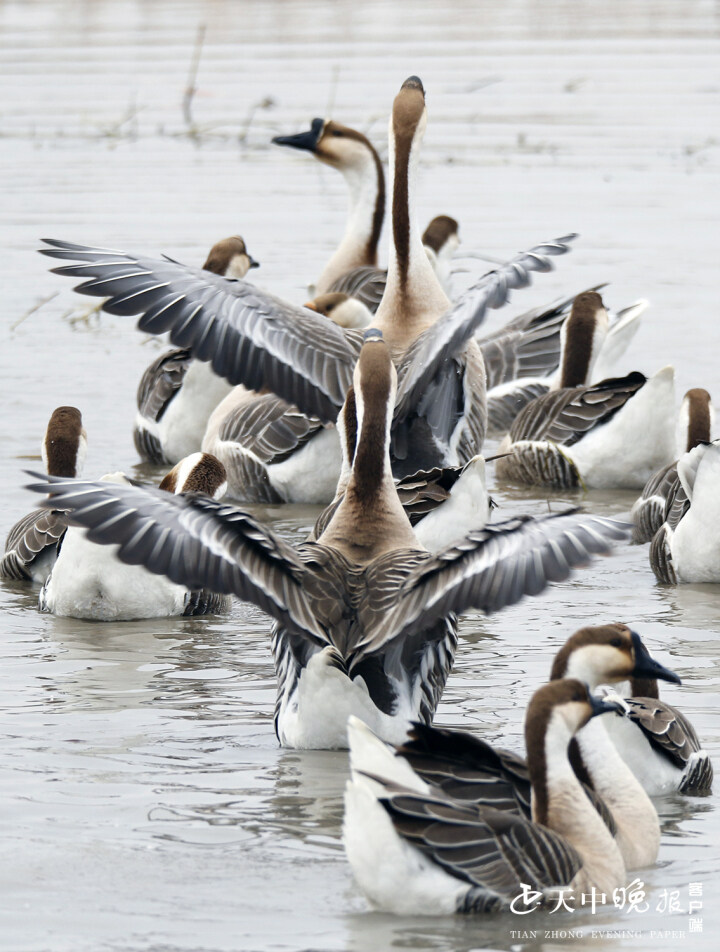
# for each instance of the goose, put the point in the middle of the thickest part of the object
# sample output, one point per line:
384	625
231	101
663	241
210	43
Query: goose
694	426
89	581
254	339
413	850
176	394
440	240
32	543
686	547
468	769
613	434
535	351
343	310
366	619
352	154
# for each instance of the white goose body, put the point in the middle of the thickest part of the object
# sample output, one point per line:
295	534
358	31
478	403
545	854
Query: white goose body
686	548
89	581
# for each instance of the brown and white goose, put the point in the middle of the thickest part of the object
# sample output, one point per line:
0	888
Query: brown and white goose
32	543
467	768
613	434
177	394
254	339
365	617
90	581
695	423
413	850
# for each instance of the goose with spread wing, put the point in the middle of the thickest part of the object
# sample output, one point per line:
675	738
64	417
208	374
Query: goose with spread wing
254	339
32	544
366	619
415	851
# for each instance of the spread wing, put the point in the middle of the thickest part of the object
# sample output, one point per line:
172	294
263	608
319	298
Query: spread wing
432	350
564	416
249	336
365	283
192	540
494	567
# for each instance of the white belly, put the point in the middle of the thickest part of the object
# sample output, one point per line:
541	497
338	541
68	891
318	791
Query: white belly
182	427
311	474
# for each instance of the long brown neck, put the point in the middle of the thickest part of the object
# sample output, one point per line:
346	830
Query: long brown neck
699	417
584	332
644	687
413	298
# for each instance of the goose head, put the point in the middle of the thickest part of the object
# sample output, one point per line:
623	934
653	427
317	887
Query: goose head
695	420
334	144
583	334
413	298
65	443
342	309
606	654
197	473
230	258
440	240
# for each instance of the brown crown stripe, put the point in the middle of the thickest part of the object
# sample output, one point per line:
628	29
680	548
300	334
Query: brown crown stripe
591	635
580	332
699	413
205	477
350	423
540	710
438	232
375	385
222	253
408	109
62	441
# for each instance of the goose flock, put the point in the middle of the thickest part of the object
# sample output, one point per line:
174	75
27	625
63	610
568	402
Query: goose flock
374	400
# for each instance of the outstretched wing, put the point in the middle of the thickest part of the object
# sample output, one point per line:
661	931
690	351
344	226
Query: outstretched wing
433	349
494	567
193	540
366	284
249	336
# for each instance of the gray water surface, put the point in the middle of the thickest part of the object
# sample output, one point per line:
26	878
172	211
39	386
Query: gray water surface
145	802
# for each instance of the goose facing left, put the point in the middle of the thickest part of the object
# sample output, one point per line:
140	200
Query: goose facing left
365	617
415	851
89	581
32	543
177	394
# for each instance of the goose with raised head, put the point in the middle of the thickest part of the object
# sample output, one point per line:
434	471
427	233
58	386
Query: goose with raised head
524	361
686	547
469	769
608	435
366	619
695	423
256	340
89	581
177	394
32	544
355	157
413	850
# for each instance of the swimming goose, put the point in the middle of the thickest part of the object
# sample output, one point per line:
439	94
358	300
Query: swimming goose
254	339
613	434
365	617
352	154
468	769
535	351
413	850
32	543
686	548
694	426
177	394
89	581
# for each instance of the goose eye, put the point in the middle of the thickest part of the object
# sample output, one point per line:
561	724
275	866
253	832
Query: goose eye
616	642
336	132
